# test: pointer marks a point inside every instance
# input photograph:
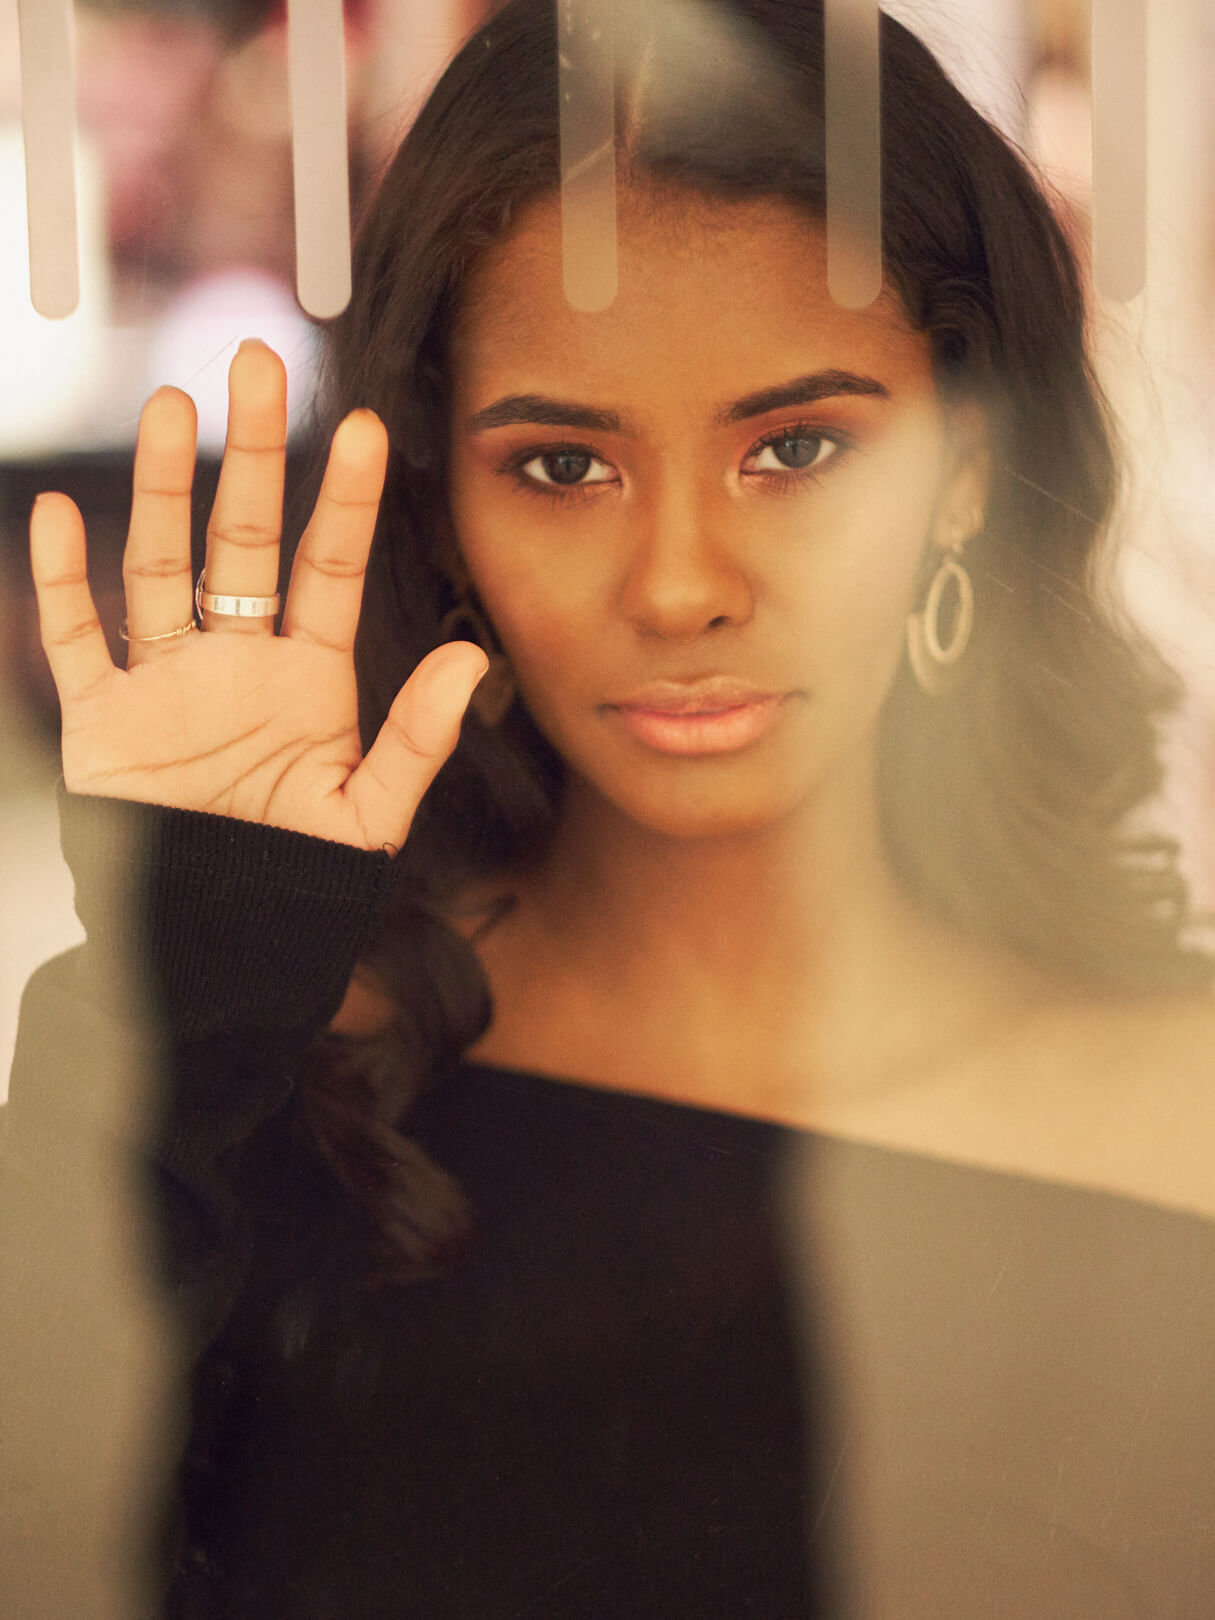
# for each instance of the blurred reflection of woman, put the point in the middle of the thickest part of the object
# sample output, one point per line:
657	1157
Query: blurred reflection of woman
768	1086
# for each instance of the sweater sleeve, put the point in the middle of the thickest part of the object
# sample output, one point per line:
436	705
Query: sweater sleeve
216	952
152	1083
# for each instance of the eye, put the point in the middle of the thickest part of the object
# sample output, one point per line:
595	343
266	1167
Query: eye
565	467
791	450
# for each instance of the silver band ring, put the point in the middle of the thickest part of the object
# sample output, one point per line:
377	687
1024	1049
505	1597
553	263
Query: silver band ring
234	607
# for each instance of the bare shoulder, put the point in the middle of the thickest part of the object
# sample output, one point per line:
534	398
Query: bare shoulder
1131	1084
1147	1041
1112	1095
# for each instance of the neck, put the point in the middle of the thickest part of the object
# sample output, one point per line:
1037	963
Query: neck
796	933
736	904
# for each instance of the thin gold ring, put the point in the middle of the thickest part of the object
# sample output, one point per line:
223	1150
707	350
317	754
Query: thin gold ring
165	635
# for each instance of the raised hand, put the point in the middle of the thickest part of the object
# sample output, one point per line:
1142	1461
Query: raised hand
237	719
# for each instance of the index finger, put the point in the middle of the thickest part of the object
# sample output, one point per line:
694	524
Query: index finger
326	592
71	632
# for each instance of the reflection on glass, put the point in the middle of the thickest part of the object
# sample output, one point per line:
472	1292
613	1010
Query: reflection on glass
642	1045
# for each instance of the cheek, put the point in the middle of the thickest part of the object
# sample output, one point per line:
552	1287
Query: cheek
544	633
845	582
541	605
876	588
539	578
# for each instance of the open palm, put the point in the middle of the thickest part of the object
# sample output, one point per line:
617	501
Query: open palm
238	720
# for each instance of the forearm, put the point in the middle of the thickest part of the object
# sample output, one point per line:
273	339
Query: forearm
216	953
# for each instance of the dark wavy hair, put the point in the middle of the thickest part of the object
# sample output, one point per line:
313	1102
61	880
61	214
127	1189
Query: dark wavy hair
1007	805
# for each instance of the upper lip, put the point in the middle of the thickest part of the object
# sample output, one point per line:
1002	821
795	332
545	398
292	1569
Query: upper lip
710	695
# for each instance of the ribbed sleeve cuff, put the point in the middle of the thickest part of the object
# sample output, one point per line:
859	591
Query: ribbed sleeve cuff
237	927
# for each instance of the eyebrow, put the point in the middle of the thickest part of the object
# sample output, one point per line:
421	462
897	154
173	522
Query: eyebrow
807	390
541	410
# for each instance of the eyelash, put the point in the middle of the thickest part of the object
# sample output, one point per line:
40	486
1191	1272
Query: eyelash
790	477
514	465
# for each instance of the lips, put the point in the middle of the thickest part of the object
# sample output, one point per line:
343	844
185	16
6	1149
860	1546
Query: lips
713	695
714	716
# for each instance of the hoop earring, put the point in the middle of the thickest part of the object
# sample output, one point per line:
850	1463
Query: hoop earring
931	660
495	691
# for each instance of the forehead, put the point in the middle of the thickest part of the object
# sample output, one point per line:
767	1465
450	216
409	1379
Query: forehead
714	296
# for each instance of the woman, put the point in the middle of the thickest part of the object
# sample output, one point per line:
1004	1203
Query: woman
755	1067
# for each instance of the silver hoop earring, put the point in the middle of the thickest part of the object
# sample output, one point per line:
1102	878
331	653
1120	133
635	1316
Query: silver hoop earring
933	661
495	691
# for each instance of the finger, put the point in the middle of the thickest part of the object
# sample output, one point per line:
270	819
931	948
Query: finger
422	729
327	576
71	632
156	569
246	520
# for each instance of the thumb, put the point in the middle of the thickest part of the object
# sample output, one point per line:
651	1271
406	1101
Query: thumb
419	733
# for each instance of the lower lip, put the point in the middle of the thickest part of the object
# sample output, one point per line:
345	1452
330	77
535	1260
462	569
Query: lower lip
708	732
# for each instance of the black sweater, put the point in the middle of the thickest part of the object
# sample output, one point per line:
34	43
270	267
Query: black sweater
695	1365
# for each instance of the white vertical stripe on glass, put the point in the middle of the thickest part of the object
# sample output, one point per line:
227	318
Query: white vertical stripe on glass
1119	147
48	118
585	86
317	67
854	170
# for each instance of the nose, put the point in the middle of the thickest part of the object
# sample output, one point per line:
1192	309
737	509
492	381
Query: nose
683	576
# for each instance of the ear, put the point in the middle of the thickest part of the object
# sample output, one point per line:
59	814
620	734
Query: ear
961	507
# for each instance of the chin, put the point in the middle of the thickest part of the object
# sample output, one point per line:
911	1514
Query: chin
708	810
732	795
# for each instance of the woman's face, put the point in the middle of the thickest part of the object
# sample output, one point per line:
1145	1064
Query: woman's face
697	518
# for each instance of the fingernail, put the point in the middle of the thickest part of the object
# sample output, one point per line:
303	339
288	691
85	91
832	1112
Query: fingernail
448	688
465	676
249	343
459	678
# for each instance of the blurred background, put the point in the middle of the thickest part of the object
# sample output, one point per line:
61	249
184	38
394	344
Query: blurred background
187	245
